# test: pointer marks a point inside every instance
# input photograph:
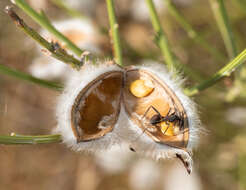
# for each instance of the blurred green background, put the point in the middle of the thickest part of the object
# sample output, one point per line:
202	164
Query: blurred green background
219	161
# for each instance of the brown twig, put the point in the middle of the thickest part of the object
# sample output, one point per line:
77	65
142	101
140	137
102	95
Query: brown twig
54	48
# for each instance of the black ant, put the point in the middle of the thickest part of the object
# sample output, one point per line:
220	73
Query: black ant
169	118
158	118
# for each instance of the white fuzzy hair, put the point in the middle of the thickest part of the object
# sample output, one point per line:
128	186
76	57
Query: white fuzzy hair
125	132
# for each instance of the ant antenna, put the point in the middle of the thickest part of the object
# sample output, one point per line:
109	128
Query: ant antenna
148	111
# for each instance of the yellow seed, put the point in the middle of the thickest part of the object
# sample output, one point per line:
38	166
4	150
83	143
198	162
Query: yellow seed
169	131
141	88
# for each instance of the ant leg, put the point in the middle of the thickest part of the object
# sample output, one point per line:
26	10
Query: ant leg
149	109
166	128
167	116
142	119
146	114
168	111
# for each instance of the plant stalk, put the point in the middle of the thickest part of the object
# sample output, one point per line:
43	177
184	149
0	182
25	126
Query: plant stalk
192	33
222	20
31	140
26	77
224	72
114	29
43	21
55	50
161	37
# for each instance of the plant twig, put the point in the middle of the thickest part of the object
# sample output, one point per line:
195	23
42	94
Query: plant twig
26	77
114	29
161	37
32	140
192	33
43	21
72	12
221	17
224	72
54	48
223	22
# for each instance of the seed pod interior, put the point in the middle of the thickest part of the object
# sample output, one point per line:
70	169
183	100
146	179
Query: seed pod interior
160	102
97	107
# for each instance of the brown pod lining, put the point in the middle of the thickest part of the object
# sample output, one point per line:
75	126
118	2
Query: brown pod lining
97	107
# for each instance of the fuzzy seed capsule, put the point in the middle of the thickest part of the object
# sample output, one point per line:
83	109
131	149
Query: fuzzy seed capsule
104	105
141	88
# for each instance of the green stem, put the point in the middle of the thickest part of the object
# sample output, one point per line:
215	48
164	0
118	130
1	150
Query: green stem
32	140
62	5
42	20
224	72
161	37
114	27
221	17
26	77
192	32
55	50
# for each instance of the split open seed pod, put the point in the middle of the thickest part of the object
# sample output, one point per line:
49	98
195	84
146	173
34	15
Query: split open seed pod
89	108
104	105
164	122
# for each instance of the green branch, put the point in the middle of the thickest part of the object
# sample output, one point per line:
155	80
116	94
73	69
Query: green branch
224	72
114	32
42	20
161	38
221	17
32	140
26	77
192	32
54	48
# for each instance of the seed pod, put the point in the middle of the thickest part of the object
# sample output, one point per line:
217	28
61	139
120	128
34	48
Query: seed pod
165	123
89	108
102	106
160	101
